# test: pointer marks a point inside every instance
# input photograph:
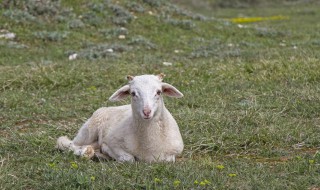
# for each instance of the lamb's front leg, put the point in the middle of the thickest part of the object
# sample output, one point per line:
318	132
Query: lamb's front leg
117	153
64	143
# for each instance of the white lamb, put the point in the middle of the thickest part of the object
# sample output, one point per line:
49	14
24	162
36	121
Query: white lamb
144	130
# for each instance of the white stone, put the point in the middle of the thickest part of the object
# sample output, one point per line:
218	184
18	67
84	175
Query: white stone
73	56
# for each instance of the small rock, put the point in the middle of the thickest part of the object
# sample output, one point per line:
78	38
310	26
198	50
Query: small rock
110	50
73	56
122	37
282	44
9	35
167	63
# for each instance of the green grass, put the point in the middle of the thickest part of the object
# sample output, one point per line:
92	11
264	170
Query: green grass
249	118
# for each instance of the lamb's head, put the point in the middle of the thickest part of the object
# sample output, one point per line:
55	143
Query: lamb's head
146	94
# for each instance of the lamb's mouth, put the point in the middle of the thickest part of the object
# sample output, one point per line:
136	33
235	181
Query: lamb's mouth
146	117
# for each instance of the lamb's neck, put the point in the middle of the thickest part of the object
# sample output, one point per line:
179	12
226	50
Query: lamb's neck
151	135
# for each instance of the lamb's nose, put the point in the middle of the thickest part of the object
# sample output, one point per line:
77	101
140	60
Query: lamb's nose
146	112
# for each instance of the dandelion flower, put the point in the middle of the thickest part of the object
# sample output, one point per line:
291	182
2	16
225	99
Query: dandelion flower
206	182
196	182
232	175
92	88
220	167
202	183
176	183
52	165
74	165
157	180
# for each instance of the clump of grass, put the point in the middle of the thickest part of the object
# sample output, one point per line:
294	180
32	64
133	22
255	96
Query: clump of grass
142	41
97	7
136	7
215	48
64	16
19	16
103	51
54	36
178	11
114	32
241	3
316	42
75	23
184	24
155	3
35	7
43	7
92	19
122	16
269	33
14	45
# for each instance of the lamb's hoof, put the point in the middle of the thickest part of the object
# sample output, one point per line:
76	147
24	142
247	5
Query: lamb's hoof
126	158
88	152
98	156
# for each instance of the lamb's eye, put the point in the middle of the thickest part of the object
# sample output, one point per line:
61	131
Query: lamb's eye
159	92
133	94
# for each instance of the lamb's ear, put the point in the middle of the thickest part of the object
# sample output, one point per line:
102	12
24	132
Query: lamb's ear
120	94
171	91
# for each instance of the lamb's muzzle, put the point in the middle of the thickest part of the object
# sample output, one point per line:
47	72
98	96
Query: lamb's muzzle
147	112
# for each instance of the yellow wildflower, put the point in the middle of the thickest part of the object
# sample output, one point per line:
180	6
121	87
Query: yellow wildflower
176	183
232	175
220	167
206	182
202	183
257	19
74	165
52	165
157	180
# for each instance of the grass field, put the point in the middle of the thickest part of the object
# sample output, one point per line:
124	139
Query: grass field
249	118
